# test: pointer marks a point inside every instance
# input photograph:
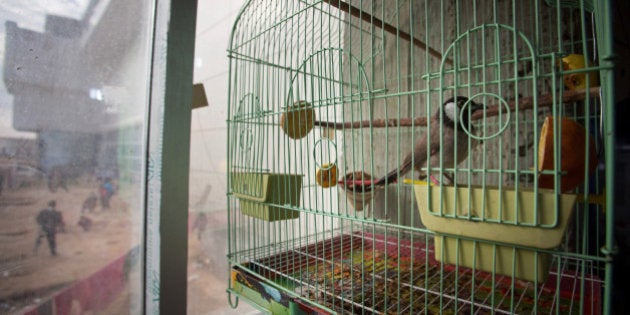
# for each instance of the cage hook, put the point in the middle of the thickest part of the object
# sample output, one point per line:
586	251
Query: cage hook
232	305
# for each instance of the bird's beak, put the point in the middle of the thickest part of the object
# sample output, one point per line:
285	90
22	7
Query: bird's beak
477	106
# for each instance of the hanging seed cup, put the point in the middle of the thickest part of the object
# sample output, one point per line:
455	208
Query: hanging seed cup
358	189
326	176
298	120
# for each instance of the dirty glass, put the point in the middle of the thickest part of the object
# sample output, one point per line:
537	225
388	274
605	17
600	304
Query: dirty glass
73	102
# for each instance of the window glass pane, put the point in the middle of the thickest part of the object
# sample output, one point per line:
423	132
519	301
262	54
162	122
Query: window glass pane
73	102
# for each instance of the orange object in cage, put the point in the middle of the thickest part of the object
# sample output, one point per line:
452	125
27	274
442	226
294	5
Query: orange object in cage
573	154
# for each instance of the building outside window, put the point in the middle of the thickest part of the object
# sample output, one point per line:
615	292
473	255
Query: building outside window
82	119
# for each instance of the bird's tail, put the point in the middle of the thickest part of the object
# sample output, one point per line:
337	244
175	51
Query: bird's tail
394	174
389	178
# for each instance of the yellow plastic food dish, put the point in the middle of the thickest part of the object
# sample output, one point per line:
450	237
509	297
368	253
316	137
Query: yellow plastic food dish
523	264
492	204
261	194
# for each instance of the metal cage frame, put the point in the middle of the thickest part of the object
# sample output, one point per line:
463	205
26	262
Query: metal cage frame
326	96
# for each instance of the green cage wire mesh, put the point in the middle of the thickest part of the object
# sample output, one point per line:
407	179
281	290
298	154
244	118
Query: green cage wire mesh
420	157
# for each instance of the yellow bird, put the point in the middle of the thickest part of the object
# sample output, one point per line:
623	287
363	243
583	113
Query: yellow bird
577	81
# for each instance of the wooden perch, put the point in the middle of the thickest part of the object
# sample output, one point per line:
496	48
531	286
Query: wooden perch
523	104
358	13
377	123
545	100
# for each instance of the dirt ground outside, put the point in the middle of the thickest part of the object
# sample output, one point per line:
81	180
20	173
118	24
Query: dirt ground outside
27	279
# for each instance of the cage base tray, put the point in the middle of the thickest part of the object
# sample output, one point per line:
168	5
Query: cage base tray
379	274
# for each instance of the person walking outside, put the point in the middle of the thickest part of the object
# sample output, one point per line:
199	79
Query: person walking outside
201	222
49	221
106	191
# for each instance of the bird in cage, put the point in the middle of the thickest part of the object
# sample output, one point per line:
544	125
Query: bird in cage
454	116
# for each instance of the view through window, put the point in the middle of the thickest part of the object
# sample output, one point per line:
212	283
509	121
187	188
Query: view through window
73	102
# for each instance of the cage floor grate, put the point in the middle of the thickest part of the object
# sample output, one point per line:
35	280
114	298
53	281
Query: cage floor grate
382	274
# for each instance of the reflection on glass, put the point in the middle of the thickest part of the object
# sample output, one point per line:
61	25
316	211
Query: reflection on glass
72	139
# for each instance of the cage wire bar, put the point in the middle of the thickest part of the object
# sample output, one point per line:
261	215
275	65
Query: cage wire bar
328	97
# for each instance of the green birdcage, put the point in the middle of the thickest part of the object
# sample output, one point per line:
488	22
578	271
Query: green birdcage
348	193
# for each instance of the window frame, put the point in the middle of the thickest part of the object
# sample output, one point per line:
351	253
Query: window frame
167	157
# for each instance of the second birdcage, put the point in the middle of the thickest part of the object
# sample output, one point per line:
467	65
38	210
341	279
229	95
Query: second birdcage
420	157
